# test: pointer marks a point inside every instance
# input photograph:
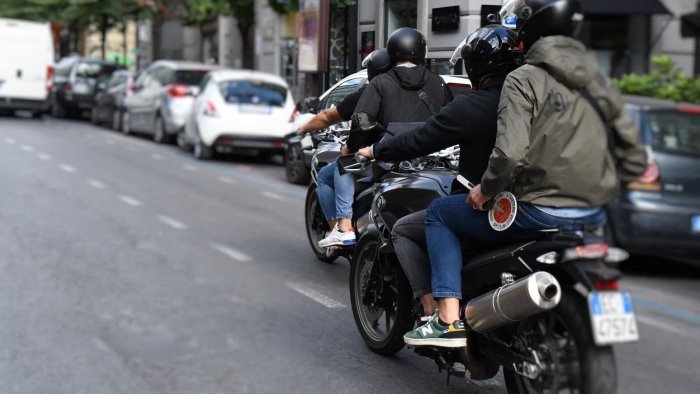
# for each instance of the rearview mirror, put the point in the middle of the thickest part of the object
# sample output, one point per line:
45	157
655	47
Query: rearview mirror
311	104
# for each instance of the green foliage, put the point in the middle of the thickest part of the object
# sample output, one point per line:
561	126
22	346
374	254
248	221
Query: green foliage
665	81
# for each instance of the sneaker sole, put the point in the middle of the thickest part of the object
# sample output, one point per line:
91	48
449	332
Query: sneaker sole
439	342
338	243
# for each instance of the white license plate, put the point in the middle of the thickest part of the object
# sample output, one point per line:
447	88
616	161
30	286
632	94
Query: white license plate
307	142
695	224
80	88
254	109
612	317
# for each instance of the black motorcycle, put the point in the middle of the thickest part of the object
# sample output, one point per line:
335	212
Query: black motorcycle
545	310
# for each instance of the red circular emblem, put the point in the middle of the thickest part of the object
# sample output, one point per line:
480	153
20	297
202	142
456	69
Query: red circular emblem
502	210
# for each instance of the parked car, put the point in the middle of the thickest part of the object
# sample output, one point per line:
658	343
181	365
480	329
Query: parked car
75	84
109	99
162	99
659	214
297	155
239	110
26	69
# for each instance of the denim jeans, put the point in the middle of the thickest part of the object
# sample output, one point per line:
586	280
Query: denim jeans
408	236
450	219
335	192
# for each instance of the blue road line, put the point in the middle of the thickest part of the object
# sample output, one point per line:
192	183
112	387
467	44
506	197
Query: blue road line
667	310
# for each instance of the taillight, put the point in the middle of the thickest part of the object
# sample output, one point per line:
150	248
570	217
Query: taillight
649	181
608	285
129	85
69	87
49	78
277	144
210	110
590	251
178	90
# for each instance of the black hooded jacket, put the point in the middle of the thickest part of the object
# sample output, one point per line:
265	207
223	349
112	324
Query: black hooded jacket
395	97
469	121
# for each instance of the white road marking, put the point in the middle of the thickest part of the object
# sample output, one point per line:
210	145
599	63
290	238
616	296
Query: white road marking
177	225
10	140
130	201
322	299
27	148
43	156
230	252
272	195
96	184
190	167
227	180
67	168
156	156
664	326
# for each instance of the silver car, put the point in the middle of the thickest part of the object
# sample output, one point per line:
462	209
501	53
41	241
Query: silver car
162	99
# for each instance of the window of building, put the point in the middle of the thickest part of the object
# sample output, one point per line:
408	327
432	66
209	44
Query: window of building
400	13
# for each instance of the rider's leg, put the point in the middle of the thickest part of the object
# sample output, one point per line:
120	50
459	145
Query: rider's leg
408	235
326	192
344	194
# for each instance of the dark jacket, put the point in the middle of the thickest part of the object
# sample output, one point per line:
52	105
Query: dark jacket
552	146
395	97
469	121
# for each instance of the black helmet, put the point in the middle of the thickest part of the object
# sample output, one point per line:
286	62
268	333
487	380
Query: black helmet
540	18
376	63
490	50
406	44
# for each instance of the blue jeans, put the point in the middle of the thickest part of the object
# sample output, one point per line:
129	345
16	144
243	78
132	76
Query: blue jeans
450	219
335	192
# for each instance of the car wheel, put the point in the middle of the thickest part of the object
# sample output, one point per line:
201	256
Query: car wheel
93	116
181	140
203	152
57	110
116	120
160	135
126	128
294	165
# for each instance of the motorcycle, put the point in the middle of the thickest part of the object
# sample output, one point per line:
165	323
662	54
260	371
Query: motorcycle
546	310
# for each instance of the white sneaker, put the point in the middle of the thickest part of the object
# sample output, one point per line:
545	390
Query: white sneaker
338	238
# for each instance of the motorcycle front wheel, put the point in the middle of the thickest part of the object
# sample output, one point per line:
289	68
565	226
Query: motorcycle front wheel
317	227
564	343
381	297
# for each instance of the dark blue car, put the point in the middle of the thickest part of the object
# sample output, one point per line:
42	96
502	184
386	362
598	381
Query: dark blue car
659	215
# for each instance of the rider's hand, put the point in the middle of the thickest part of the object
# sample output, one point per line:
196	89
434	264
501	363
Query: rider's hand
344	151
301	131
366	152
477	199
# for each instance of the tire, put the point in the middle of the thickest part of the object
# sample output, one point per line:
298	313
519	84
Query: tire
181	140
116	120
160	135
126	127
294	166
380	295
93	116
595	373
57	110
203	152
317	227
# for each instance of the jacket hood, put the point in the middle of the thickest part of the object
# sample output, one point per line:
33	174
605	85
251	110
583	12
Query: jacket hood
564	58
412	78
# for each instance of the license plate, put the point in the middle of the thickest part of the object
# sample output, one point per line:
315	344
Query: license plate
80	88
254	109
612	317
695	224
307	142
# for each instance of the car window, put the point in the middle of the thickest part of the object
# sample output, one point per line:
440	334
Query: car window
204	82
190	77
117	80
675	131
341	91
63	67
150	80
253	92
94	70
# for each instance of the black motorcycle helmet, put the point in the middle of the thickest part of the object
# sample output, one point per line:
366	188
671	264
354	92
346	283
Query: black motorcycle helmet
533	19
407	44
376	63
490	50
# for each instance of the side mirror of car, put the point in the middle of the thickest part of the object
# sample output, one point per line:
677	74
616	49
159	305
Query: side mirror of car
311	104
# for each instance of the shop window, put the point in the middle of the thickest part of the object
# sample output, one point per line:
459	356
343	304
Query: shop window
608	38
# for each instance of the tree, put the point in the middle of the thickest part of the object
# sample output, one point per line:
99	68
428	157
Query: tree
665	81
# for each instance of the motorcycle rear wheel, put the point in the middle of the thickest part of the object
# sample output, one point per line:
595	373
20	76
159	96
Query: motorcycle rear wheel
317	227
566	344
380	296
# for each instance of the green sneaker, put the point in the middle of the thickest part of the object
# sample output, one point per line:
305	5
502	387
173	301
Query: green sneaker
433	333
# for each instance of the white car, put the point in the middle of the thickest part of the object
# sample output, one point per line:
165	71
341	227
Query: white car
238	110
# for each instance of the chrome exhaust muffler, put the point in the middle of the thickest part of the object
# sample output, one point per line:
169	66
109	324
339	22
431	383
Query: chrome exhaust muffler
511	303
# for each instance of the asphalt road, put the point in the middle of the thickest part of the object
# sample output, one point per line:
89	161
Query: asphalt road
129	267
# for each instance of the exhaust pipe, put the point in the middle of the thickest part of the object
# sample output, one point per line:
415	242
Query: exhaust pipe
535	293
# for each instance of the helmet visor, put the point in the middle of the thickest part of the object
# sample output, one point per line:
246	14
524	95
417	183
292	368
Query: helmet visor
511	11
365	61
457	54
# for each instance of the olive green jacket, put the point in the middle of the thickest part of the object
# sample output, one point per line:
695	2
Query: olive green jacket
551	147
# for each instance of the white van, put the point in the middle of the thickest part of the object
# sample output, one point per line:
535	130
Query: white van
26	68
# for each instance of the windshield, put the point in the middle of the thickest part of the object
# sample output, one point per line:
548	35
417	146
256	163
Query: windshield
675	132
189	77
94	70
250	92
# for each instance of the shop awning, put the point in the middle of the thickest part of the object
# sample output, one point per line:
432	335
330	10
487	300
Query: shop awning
625	7
690	25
